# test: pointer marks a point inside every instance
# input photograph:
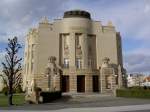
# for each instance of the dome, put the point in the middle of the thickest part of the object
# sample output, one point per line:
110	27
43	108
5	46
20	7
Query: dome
77	13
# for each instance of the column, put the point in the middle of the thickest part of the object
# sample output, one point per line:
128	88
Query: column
88	83
56	83
84	47
73	83
71	45
102	80
119	77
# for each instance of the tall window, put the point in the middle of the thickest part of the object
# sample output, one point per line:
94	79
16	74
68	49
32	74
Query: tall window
77	35
66	63
27	68
28	54
32	51
78	63
90	63
66	40
32	64
77	40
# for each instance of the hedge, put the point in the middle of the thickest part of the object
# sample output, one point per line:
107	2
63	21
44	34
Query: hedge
133	93
50	96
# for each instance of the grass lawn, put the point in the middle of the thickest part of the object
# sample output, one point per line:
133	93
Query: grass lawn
18	99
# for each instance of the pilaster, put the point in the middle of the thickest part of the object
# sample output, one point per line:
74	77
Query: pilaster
88	83
71	50
73	83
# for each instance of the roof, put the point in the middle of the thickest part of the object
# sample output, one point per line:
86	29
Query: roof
77	13
147	79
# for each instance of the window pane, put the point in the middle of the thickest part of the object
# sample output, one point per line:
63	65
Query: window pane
78	63
66	63
32	67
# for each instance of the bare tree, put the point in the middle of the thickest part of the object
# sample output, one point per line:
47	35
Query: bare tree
12	67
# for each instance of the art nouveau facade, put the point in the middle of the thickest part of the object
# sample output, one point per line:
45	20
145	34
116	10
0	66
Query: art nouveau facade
88	53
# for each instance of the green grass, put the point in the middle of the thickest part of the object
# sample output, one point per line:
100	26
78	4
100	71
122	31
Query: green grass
18	99
133	93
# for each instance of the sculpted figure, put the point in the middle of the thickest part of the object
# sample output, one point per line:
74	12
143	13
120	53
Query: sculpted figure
52	70
105	62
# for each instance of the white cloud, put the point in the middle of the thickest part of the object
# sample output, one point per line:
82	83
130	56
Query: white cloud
131	18
2	57
137	60
17	16
147	8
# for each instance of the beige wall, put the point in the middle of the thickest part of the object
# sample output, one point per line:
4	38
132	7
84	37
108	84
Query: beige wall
47	45
46	39
107	45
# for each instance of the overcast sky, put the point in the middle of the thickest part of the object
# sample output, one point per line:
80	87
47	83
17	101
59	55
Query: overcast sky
131	18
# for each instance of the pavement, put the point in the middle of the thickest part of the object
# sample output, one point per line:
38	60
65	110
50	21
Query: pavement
86	103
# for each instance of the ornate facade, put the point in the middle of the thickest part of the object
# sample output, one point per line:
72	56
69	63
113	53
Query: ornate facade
88	55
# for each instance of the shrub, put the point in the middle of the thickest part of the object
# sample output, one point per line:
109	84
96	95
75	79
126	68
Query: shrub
18	89
5	91
133	93
135	88
50	96
37	89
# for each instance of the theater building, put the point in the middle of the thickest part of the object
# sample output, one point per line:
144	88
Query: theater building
88	54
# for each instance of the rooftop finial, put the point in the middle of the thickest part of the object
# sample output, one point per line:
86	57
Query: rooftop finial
44	20
110	23
77	13
105	62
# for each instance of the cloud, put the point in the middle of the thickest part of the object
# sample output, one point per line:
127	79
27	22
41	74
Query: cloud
147	8
2	57
130	17
17	16
137	60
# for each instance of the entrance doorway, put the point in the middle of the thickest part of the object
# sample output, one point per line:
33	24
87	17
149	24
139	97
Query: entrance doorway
65	84
95	84
81	83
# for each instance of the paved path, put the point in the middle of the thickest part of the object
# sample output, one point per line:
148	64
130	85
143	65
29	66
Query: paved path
133	108
93	103
108	109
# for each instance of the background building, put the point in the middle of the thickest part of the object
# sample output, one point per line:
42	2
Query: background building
1	83
146	81
88	53
135	79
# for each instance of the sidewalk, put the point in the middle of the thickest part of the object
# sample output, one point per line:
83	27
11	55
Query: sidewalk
89	103
108	109
133	108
